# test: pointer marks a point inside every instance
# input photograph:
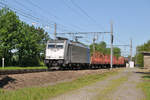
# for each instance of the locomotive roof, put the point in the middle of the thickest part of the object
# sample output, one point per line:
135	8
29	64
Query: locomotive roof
56	41
78	44
60	40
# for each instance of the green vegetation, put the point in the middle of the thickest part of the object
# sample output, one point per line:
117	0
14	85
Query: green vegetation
145	86
42	93
20	43
110	88
102	48
142	48
14	67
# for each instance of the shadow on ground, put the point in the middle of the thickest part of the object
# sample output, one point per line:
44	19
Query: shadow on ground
5	80
145	74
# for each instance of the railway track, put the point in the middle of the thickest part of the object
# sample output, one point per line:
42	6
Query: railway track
21	71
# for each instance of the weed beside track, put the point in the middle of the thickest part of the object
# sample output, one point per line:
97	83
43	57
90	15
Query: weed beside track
145	84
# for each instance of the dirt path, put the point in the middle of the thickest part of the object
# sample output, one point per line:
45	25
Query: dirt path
129	90
117	87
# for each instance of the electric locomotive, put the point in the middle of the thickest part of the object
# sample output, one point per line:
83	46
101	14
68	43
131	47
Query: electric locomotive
64	53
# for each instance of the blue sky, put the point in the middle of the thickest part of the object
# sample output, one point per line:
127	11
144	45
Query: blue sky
131	18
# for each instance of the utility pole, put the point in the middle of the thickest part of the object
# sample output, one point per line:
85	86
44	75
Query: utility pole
111	62
131	50
136	56
94	43
55	32
3	63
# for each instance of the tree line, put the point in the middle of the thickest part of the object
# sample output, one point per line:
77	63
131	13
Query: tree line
102	48
20	43
139	56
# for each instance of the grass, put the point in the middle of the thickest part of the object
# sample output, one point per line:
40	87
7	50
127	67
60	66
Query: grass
43	93
14	67
145	86
113	85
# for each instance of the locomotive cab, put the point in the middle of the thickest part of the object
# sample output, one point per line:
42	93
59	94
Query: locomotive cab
55	52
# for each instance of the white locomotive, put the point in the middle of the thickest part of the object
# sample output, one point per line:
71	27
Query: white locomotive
64	53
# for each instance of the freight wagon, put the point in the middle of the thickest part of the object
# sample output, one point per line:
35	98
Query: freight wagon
103	61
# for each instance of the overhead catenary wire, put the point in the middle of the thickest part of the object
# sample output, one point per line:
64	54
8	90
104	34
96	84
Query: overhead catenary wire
117	39
86	14
21	12
19	3
73	10
35	5
31	10
24	6
26	15
31	17
57	18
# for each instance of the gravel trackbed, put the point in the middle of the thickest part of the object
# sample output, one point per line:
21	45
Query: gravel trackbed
17	81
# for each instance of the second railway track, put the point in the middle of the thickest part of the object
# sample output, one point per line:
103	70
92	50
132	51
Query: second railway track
21	71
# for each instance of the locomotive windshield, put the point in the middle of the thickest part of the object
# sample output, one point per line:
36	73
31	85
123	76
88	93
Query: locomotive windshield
59	46
50	46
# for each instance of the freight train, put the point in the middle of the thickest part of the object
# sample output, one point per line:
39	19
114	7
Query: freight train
75	55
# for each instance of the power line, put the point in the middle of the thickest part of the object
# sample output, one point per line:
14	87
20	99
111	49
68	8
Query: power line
22	13
29	9
85	13
119	39
35	5
17	2
31	17
70	8
47	22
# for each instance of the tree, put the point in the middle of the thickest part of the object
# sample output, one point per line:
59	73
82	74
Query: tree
139	56
140	60
102	48
8	32
31	45
116	52
21	44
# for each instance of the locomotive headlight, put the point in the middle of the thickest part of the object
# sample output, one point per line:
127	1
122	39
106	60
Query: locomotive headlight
60	57
48	57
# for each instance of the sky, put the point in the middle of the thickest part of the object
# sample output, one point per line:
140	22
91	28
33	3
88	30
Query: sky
131	18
